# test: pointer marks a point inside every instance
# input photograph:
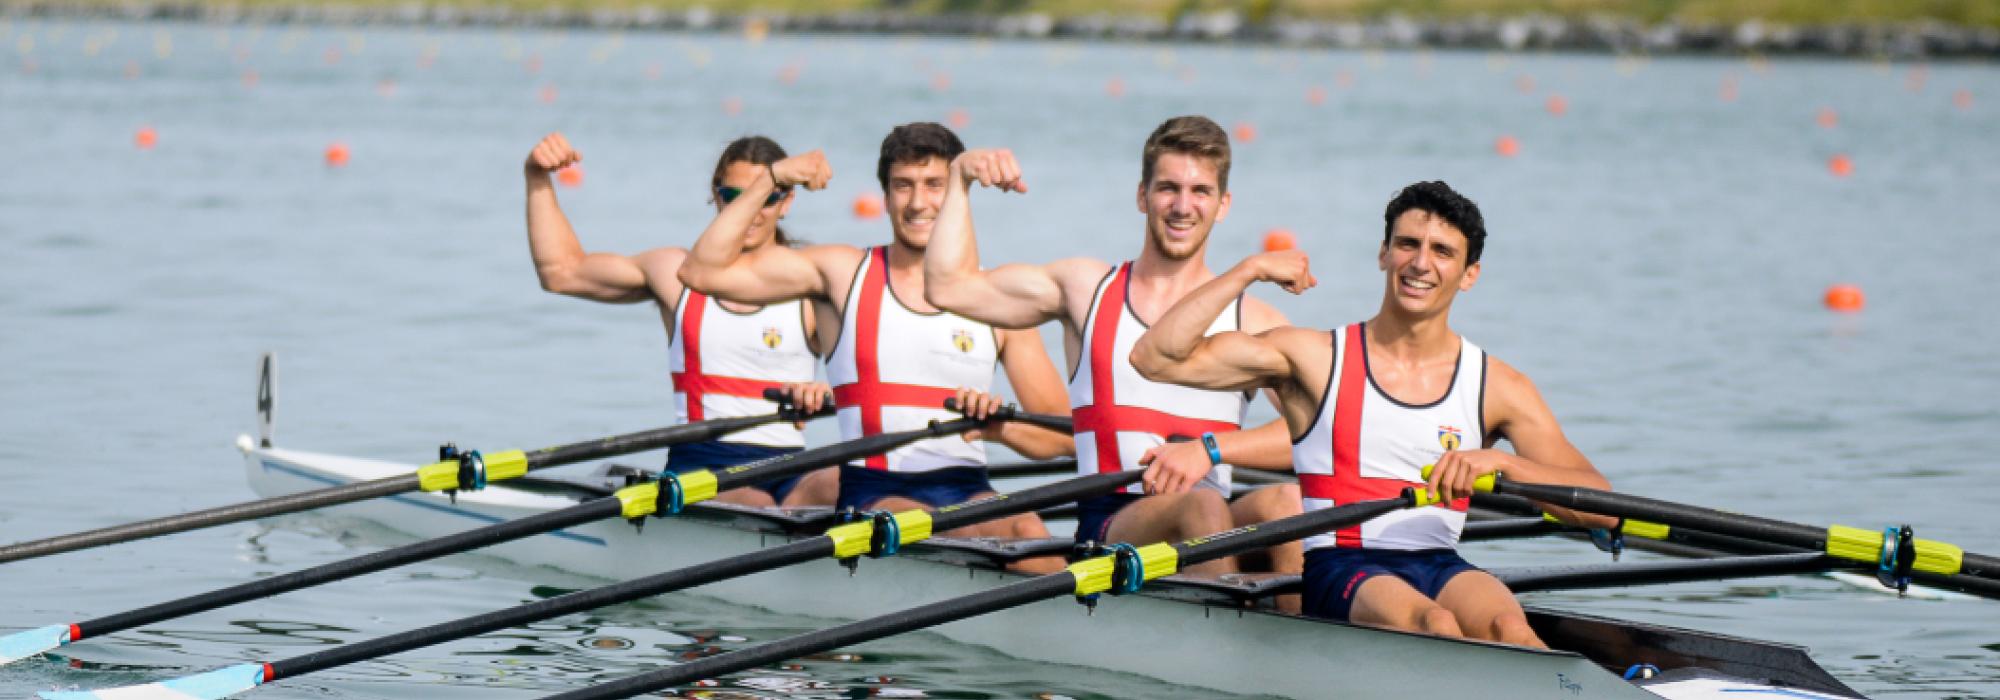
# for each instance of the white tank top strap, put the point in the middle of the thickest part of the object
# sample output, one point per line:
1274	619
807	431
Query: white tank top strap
1365	445
901	384
722	362
1119	414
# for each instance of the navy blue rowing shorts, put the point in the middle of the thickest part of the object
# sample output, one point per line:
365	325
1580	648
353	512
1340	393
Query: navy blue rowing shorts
1333	574
861	488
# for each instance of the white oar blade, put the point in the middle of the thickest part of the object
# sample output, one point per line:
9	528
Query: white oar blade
213	685
21	645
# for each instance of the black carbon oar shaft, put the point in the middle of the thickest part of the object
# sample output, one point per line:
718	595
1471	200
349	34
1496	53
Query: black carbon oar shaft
1035	589
688	577
364	490
1978	573
588	511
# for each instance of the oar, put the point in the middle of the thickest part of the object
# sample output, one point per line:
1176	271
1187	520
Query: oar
1899	557
1550	578
664	497
1123	571
882	534
468	471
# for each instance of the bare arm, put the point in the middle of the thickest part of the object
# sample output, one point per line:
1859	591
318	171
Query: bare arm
1039	389
1542	454
560	261
1176	350
718	265
1011	296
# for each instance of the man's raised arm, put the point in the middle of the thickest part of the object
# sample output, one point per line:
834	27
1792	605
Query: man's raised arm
717	264
1011	296
1175	350
560	261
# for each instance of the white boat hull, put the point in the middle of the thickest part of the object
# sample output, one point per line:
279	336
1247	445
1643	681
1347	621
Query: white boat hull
1194	644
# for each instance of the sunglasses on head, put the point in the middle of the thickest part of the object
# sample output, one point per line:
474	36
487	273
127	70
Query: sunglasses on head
729	194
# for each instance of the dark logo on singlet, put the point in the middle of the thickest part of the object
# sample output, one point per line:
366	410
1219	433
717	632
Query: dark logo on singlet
772	337
961	339
1448	437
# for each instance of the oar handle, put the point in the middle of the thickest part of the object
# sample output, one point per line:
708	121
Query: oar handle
1060	424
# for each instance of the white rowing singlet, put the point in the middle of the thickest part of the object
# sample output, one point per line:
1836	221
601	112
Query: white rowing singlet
1365	445
722	362
1119	414
892	369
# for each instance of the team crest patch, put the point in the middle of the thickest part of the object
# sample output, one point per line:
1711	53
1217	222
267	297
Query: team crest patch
772	337
961	339
1448	437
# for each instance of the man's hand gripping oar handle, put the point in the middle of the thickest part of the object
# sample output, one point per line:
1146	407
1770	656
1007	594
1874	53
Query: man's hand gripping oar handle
1060	424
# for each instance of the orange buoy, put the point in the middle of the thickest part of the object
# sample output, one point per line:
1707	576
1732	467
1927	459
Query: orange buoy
940	82
1557	106
336	154
732	106
655	70
1246	132
332	55
1115	88
789	74
145	138
1525	83
386	87
1840	165
571	176
1845	298
1728	91
1507	146
867	206
1279	239
249	78
1962	99
533	64
1827	118
958	119
548	94
1344	78
1315	95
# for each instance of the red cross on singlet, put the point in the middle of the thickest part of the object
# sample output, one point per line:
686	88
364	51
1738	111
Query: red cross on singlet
1104	417
869	393
1346	484
690	381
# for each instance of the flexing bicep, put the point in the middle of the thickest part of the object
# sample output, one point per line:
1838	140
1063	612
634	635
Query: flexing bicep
767	275
1227	361
1009	296
606	277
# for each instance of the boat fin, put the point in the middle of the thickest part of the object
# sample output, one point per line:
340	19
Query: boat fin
213	685
267	397
27	643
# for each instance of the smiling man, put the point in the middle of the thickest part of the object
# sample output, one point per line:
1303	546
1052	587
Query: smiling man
1123	421
1371	404
894	358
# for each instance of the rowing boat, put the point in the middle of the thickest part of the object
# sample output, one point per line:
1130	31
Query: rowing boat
1205	633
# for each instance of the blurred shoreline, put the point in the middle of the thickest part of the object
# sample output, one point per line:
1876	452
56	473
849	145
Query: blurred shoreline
1921	39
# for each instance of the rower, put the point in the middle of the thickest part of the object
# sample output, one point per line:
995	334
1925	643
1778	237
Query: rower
722	355
894	359
1123	421
1370	404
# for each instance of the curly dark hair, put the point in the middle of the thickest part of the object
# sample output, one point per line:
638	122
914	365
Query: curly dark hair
1445	203
755	150
916	142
